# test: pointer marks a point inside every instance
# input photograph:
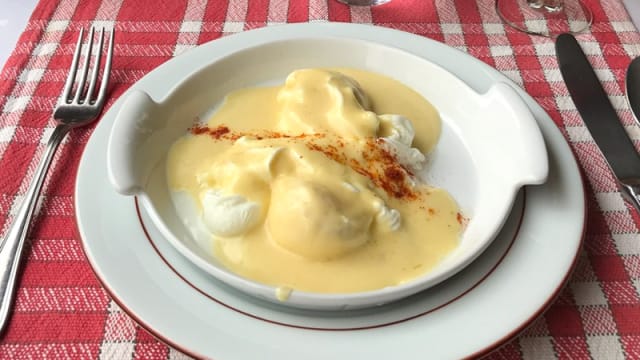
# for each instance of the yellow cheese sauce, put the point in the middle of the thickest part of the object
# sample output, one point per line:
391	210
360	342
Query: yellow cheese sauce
303	192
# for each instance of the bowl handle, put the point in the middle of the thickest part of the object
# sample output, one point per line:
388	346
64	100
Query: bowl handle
133	125
530	159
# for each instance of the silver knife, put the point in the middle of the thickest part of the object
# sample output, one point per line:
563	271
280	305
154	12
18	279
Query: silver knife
632	86
600	117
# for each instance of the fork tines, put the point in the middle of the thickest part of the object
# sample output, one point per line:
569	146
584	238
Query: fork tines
84	94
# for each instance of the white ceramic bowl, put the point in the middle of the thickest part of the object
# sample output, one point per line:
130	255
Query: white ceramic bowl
489	148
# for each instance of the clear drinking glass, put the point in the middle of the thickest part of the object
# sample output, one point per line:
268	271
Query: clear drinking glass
364	2
545	17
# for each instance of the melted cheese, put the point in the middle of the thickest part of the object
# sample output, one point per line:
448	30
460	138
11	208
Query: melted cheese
298	167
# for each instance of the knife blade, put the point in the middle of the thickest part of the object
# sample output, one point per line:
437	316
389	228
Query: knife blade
600	117
632	86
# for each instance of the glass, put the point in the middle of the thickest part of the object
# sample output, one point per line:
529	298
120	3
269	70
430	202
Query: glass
364	2
545	17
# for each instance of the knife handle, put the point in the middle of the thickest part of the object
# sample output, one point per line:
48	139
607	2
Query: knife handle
630	189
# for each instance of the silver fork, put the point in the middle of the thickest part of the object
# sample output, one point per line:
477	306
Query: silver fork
73	110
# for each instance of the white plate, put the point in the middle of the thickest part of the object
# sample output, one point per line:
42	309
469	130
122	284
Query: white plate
522	270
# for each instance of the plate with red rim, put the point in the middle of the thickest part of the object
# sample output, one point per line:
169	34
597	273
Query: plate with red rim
146	276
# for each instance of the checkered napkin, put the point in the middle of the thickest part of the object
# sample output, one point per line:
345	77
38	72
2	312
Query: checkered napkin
61	309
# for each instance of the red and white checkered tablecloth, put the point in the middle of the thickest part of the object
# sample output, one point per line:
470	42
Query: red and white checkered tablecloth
62	311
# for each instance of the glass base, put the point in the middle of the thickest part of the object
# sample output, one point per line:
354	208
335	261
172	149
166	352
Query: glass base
548	18
364	2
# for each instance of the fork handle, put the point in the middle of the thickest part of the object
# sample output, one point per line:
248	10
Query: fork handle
13	242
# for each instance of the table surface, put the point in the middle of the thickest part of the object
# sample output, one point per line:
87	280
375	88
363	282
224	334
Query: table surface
13	19
62	310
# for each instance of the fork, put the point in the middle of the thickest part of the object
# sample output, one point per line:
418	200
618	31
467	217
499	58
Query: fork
73	110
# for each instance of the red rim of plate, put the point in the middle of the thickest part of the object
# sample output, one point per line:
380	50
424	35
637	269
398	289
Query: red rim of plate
488	349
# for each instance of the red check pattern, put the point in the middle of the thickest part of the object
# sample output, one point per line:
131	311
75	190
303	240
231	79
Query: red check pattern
61	309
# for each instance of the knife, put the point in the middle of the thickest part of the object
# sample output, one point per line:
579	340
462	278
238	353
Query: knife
632	86
600	117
